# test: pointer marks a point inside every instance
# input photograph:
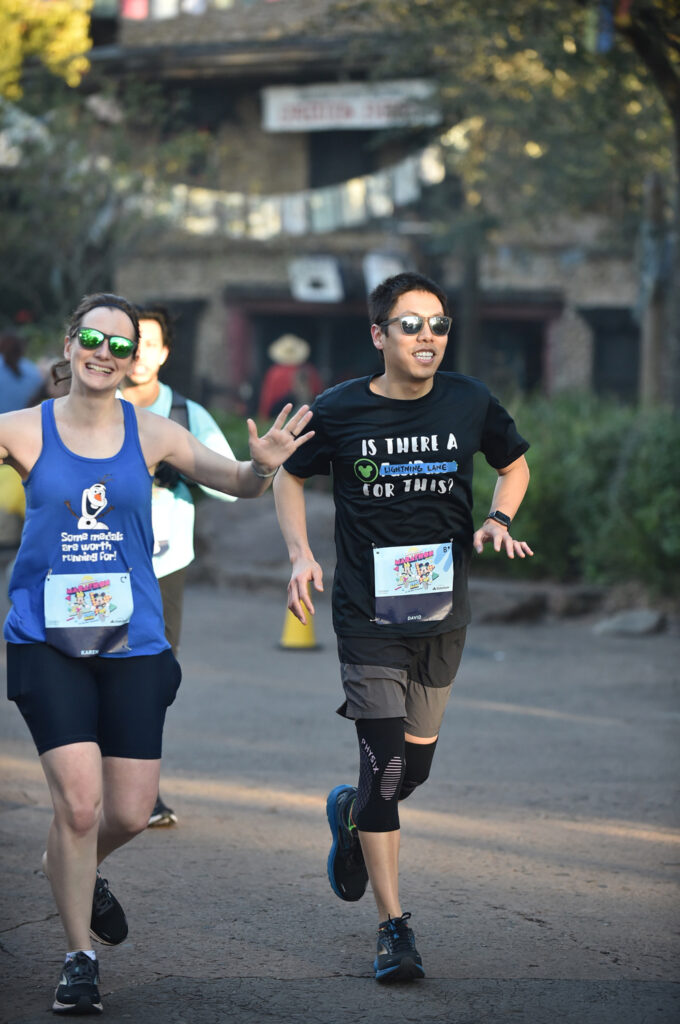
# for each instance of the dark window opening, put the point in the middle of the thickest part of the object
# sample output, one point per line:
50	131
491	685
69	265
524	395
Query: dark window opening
104	23
338	156
616	352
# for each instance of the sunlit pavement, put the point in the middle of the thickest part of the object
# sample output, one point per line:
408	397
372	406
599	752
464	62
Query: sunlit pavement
540	862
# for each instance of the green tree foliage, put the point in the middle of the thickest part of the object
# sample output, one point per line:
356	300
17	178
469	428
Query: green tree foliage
602	504
534	122
652	27
75	192
558	108
56	33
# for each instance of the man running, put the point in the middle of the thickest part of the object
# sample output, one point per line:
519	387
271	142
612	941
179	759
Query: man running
400	445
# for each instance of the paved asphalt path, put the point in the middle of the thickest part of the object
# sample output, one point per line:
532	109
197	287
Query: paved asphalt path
540	862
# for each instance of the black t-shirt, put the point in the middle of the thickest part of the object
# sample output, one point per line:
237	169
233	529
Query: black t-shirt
402	484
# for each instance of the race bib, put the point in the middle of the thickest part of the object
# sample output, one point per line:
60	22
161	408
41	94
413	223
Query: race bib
87	615
413	583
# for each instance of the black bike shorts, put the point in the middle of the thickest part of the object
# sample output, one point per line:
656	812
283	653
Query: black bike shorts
119	703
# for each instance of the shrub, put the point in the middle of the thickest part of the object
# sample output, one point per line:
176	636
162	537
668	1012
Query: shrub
603	503
235	430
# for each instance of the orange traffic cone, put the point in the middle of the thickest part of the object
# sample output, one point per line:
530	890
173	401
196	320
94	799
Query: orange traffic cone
297	637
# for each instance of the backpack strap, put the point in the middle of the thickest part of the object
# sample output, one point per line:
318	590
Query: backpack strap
166	475
179	411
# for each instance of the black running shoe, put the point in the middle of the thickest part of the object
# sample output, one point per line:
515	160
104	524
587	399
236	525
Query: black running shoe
346	869
108	923
162	815
77	990
397	959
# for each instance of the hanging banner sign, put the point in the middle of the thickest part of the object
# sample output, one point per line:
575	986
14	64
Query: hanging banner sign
349	105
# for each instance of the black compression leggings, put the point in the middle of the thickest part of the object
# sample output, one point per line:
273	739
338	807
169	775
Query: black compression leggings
389	770
418	758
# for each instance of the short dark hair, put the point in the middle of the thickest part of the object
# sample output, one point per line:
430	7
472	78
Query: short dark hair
382	299
105	300
162	317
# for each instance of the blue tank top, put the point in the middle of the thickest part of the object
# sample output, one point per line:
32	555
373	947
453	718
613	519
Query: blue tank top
88	530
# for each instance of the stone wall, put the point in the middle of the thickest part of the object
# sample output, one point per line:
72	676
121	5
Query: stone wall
258	162
585	276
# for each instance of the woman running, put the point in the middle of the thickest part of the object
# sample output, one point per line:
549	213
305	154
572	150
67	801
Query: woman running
88	664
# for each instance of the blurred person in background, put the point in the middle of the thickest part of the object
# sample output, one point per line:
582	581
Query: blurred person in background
20	379
290	378
172	504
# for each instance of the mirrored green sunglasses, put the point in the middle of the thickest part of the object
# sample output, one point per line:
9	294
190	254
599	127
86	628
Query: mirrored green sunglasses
121	348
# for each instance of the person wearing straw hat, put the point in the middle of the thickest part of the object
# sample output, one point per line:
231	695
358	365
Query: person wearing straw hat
291	378
400	445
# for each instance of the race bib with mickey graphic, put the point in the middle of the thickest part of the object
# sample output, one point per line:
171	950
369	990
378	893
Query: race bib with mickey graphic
413	583
87	615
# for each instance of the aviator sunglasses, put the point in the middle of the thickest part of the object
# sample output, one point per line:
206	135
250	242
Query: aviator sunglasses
412	324
121	348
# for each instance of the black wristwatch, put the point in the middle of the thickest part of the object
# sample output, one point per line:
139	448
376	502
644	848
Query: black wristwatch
501	518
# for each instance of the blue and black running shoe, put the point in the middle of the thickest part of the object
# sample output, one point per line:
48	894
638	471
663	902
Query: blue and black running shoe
346	869
397	959
108	923
77	991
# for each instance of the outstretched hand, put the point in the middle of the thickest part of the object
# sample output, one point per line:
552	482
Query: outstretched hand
283	438
306	571
491	531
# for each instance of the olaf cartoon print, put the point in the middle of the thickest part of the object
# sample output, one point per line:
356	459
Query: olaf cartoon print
92	504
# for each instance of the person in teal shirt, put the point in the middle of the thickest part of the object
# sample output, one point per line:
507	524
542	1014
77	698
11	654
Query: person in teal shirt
172	505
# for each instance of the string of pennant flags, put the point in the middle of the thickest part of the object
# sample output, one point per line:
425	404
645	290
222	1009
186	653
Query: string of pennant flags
140	10
353	203
201	211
